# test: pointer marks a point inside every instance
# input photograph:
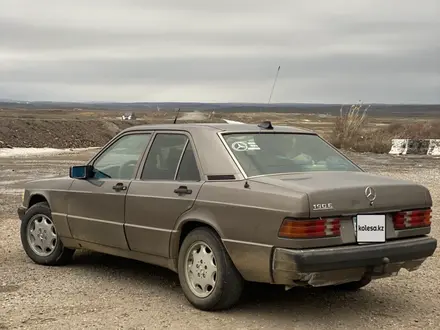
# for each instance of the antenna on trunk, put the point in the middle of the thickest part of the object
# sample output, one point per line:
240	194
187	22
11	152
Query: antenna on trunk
274	83
177	115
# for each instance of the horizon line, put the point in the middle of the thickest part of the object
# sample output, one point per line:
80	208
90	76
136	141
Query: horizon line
209	103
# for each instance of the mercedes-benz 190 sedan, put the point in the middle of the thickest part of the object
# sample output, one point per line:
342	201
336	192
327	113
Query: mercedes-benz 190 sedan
222	204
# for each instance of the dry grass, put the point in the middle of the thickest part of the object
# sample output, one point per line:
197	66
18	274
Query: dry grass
349	125
429	129
350	131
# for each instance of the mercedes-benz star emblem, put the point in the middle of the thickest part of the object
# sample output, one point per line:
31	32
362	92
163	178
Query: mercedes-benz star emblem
239	146
370	193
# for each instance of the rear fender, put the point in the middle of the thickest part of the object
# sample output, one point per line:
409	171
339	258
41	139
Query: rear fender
200	215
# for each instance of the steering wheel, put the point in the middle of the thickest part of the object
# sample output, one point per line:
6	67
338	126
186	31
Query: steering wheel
125	168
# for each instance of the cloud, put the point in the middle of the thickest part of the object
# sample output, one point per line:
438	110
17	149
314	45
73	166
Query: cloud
156	50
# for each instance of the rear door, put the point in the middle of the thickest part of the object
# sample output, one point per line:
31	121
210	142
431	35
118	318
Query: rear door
167	186
96	205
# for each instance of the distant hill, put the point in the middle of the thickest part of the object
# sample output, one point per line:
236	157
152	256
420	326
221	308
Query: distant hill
375	109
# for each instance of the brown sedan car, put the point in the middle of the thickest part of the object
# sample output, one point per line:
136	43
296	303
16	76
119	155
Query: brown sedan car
222	204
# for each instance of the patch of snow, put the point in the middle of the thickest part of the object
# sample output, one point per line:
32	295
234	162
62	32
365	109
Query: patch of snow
232	121
5	191
10	182
29	152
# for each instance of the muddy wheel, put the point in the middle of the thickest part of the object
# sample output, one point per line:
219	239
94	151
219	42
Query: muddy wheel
207	275
40	239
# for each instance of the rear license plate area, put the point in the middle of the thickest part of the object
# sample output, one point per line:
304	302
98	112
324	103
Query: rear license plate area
370	228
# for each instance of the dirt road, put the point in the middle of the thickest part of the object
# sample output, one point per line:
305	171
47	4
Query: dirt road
105	292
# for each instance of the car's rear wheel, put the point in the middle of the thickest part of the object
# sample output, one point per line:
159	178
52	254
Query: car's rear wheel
207	275
40	239
354	286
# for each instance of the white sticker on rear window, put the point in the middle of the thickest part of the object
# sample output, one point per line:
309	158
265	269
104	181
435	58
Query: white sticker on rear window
245	145
252	145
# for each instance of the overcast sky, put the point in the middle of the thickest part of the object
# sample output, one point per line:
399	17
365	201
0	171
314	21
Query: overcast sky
220	51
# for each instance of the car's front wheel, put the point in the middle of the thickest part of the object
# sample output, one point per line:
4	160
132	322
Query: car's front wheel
40	239
207	275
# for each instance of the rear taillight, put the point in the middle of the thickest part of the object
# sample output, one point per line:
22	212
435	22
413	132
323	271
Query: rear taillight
310	228
412	219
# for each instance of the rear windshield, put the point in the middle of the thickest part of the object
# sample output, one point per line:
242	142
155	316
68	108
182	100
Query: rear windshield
272	153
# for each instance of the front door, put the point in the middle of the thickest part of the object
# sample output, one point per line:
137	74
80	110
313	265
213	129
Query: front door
167	187
96	206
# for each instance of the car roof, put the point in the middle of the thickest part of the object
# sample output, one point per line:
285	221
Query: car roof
219	127
215	159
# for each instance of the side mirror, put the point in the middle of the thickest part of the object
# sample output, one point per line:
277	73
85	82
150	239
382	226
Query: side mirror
80	172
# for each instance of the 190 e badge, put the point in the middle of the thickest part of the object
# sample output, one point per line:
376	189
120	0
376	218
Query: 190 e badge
324	206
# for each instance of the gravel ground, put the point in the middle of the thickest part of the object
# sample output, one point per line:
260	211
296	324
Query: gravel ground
103	292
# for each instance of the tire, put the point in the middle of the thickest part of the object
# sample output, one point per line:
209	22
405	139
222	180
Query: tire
353	286
228	286
58	254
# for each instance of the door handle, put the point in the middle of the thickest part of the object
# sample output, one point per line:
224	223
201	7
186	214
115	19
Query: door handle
183	190
119	186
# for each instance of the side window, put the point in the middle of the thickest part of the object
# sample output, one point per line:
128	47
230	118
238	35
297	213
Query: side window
120	159
164	156
188	170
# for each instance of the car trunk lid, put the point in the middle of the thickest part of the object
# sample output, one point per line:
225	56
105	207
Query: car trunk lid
350	193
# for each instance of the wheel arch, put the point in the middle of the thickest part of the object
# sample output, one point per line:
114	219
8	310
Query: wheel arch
192	224
37	197
183	228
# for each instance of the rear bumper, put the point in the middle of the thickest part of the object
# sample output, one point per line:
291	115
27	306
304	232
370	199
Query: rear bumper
21	210
347	263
